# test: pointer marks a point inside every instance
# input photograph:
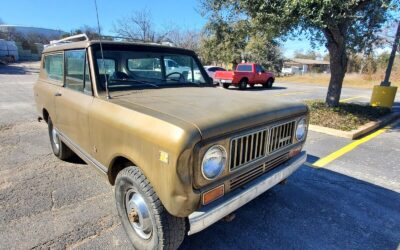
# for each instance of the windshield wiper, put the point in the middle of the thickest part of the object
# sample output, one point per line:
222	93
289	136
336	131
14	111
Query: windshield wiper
136	81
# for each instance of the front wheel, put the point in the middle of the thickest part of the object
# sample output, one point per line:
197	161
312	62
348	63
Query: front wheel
269	83
145	220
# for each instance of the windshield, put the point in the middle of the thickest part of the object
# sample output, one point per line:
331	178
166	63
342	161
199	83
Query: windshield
126	70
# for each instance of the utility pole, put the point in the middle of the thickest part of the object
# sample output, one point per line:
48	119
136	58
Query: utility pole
386	81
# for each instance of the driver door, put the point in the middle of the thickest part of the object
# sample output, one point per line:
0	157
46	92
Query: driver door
74	100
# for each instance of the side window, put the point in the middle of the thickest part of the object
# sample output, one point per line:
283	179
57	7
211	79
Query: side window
106	67
74	70
54	66
88	82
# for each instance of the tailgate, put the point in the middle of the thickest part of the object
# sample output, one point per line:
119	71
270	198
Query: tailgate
228	75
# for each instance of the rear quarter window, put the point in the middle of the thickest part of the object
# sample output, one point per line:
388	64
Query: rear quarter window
53	66
244	68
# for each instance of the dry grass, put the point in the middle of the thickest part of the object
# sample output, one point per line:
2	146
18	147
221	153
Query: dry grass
346	117
350	80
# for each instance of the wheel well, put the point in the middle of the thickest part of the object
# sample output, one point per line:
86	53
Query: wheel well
117	165
45	115
244	78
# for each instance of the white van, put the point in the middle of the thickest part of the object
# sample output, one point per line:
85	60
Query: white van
8	50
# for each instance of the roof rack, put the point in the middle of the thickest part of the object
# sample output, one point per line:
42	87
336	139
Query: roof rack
70	39
84	37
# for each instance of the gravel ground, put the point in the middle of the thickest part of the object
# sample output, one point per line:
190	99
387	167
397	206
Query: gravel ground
46	203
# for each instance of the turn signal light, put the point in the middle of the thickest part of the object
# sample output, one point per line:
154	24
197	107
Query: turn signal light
294	151
213	194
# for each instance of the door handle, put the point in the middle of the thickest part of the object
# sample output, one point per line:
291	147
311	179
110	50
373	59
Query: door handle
58	94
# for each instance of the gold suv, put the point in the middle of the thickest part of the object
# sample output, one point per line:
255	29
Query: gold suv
181	153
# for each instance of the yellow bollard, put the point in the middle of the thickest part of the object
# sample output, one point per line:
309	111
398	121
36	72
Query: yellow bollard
383	96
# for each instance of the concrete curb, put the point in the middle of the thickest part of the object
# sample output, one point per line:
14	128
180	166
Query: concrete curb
354	134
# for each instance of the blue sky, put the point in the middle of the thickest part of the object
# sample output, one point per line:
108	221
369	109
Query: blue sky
72	14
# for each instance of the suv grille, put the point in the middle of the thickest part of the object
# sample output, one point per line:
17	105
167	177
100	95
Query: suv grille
255	172
250	147
281	136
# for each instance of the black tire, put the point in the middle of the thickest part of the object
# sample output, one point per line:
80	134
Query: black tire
62	151
269	83
243	84
167	232
225	85
252	85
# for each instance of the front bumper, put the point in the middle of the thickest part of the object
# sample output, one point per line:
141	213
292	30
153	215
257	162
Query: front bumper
208	215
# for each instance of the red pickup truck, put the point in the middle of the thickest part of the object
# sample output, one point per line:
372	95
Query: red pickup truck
245	74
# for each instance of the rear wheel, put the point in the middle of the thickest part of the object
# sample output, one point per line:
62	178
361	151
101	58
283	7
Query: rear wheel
145	220
59	148
243	84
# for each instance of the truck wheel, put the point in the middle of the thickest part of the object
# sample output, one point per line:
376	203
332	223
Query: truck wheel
269	83
243	84
225	85
62	151
145	220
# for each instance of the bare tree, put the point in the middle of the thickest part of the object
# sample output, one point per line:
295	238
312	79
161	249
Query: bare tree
188	39
138	26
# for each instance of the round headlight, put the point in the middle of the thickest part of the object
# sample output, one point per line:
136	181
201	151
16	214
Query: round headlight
213	162
301	129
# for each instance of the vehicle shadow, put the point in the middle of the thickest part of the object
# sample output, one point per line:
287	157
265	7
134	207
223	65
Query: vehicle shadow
316	209
258	88
16	69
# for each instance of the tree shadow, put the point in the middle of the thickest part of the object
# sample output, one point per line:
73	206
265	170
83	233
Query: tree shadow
317	208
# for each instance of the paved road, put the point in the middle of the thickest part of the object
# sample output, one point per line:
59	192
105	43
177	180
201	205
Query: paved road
352	203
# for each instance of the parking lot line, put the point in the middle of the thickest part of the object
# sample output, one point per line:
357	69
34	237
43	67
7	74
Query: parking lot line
351	98
349	147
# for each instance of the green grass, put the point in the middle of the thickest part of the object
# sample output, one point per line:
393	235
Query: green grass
346	117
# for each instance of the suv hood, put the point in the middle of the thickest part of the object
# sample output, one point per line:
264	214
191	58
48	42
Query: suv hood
213	111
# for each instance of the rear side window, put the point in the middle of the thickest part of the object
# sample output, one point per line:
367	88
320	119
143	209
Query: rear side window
244	67
54	66
77	71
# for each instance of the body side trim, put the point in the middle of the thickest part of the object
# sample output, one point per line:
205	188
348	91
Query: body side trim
81	153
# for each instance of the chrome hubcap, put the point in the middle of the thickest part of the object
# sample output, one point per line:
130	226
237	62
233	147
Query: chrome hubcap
138	214
56	139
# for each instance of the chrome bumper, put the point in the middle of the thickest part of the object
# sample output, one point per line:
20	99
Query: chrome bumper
208	215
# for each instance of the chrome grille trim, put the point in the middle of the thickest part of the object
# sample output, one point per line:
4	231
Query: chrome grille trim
248	147
256	172
257	144
281	136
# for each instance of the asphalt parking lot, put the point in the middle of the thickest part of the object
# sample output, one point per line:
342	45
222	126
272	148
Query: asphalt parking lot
352	202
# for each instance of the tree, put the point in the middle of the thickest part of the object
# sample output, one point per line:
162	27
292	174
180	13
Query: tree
138	26
91	32
187	39
262	50
311	54
224	42
342	25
